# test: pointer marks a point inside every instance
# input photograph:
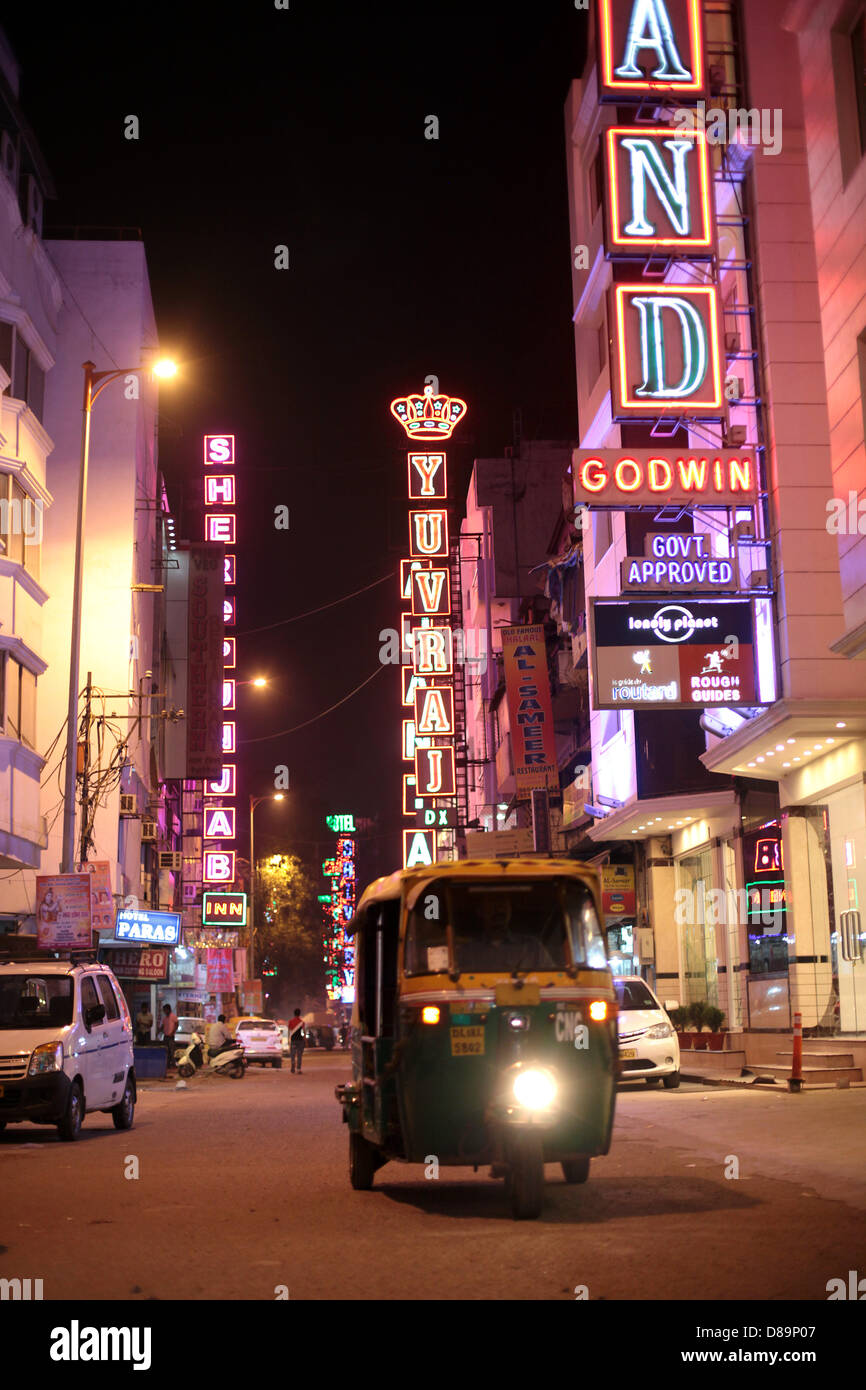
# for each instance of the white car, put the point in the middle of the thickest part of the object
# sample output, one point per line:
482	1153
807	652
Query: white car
261	1041
648	1044
65	1045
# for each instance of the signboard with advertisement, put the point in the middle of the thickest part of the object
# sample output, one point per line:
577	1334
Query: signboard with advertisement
101	900
498	844
151	963
143	926
617	890
530	714
674	655
63	919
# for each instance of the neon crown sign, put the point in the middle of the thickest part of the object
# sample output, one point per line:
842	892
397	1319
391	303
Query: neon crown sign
428	416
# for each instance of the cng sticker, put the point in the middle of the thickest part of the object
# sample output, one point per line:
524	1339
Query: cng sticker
570	1028
467	1042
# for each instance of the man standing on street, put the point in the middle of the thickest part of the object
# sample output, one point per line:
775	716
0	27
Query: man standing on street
296	1040
168	1028
143	1025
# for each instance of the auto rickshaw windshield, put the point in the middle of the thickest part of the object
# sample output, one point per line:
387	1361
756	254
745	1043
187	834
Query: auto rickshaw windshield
545	924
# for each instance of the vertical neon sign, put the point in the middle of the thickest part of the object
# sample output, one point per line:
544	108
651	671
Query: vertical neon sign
425	584
220	523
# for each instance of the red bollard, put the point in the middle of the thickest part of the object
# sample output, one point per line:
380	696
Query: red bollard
795	1080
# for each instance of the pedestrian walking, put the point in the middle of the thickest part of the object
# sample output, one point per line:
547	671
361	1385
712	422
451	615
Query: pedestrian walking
143	1025
168	1028
297	1041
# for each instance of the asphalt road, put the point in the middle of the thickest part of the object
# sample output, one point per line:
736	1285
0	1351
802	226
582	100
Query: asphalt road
243	1187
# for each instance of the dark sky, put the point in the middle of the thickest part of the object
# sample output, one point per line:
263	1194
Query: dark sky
305	127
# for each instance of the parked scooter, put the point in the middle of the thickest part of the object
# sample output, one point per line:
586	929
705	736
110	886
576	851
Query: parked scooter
196	1057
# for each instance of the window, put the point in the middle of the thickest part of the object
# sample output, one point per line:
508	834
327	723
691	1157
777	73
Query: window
108	996
542	925
20	524
848	48
26	375
89	999
18	701
858	58
35	1001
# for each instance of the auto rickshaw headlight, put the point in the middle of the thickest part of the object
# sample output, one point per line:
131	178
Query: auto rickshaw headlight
535	1089
598	1010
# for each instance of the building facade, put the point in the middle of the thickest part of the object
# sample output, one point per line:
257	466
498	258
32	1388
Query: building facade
710	239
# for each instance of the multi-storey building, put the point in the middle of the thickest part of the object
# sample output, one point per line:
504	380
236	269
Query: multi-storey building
745	802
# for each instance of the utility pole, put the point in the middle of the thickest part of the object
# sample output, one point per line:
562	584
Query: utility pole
83	843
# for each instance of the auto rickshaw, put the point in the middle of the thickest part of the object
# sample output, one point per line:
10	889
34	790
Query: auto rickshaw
484	1023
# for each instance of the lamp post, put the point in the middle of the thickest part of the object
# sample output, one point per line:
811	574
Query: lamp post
91	378
251	931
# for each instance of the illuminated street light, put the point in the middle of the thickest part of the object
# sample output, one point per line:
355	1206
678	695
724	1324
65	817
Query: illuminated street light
91	378
165	368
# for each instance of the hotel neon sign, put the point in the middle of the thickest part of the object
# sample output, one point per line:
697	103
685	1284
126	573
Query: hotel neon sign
620	478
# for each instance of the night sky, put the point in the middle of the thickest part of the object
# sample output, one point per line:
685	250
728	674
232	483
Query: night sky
305	127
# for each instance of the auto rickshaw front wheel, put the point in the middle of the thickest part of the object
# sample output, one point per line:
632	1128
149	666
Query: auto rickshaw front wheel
524	1181
363	1162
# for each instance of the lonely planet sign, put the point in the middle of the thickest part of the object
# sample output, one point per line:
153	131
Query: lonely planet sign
162	928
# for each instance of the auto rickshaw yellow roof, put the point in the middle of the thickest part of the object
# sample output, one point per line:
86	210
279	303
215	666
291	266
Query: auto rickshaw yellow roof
391	886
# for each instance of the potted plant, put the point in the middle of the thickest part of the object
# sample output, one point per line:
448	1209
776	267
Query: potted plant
715	1018
679	1019
697	1012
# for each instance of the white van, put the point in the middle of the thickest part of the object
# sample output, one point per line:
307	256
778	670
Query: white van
65	1045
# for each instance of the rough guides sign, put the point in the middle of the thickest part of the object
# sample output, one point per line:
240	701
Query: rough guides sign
530	713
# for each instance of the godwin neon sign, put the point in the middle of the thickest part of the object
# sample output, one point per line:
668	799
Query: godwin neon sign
643	477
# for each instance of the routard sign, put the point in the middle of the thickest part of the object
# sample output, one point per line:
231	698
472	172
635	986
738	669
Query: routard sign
672	654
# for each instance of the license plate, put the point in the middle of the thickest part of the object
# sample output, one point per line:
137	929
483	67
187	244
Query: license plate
467	1042
628	1052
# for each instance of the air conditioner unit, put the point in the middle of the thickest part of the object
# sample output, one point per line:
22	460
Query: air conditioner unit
9	157
743	530
171	859
732	342
149	830
35	204
128	805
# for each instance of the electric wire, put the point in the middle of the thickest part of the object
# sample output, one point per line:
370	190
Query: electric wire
251	631
283	733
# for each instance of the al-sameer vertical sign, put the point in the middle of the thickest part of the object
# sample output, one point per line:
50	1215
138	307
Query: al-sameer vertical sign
530	714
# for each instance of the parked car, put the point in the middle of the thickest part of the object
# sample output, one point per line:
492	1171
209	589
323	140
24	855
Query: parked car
260	1039
65	1045
648	1044
284	1037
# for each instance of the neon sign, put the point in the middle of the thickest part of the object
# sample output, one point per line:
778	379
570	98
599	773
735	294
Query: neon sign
659	192
434	772
428	416
666	338
427	477
431	593
419	848
665	35
428	534
219	449
645	477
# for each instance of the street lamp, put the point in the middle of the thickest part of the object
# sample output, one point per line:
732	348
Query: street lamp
254	802
163	369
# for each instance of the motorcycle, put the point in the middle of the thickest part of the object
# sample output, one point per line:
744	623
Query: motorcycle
196	1057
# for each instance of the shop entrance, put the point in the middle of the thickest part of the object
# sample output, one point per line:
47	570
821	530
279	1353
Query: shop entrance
698	946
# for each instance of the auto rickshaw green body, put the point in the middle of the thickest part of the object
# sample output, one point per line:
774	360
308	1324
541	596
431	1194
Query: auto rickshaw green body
435	1057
